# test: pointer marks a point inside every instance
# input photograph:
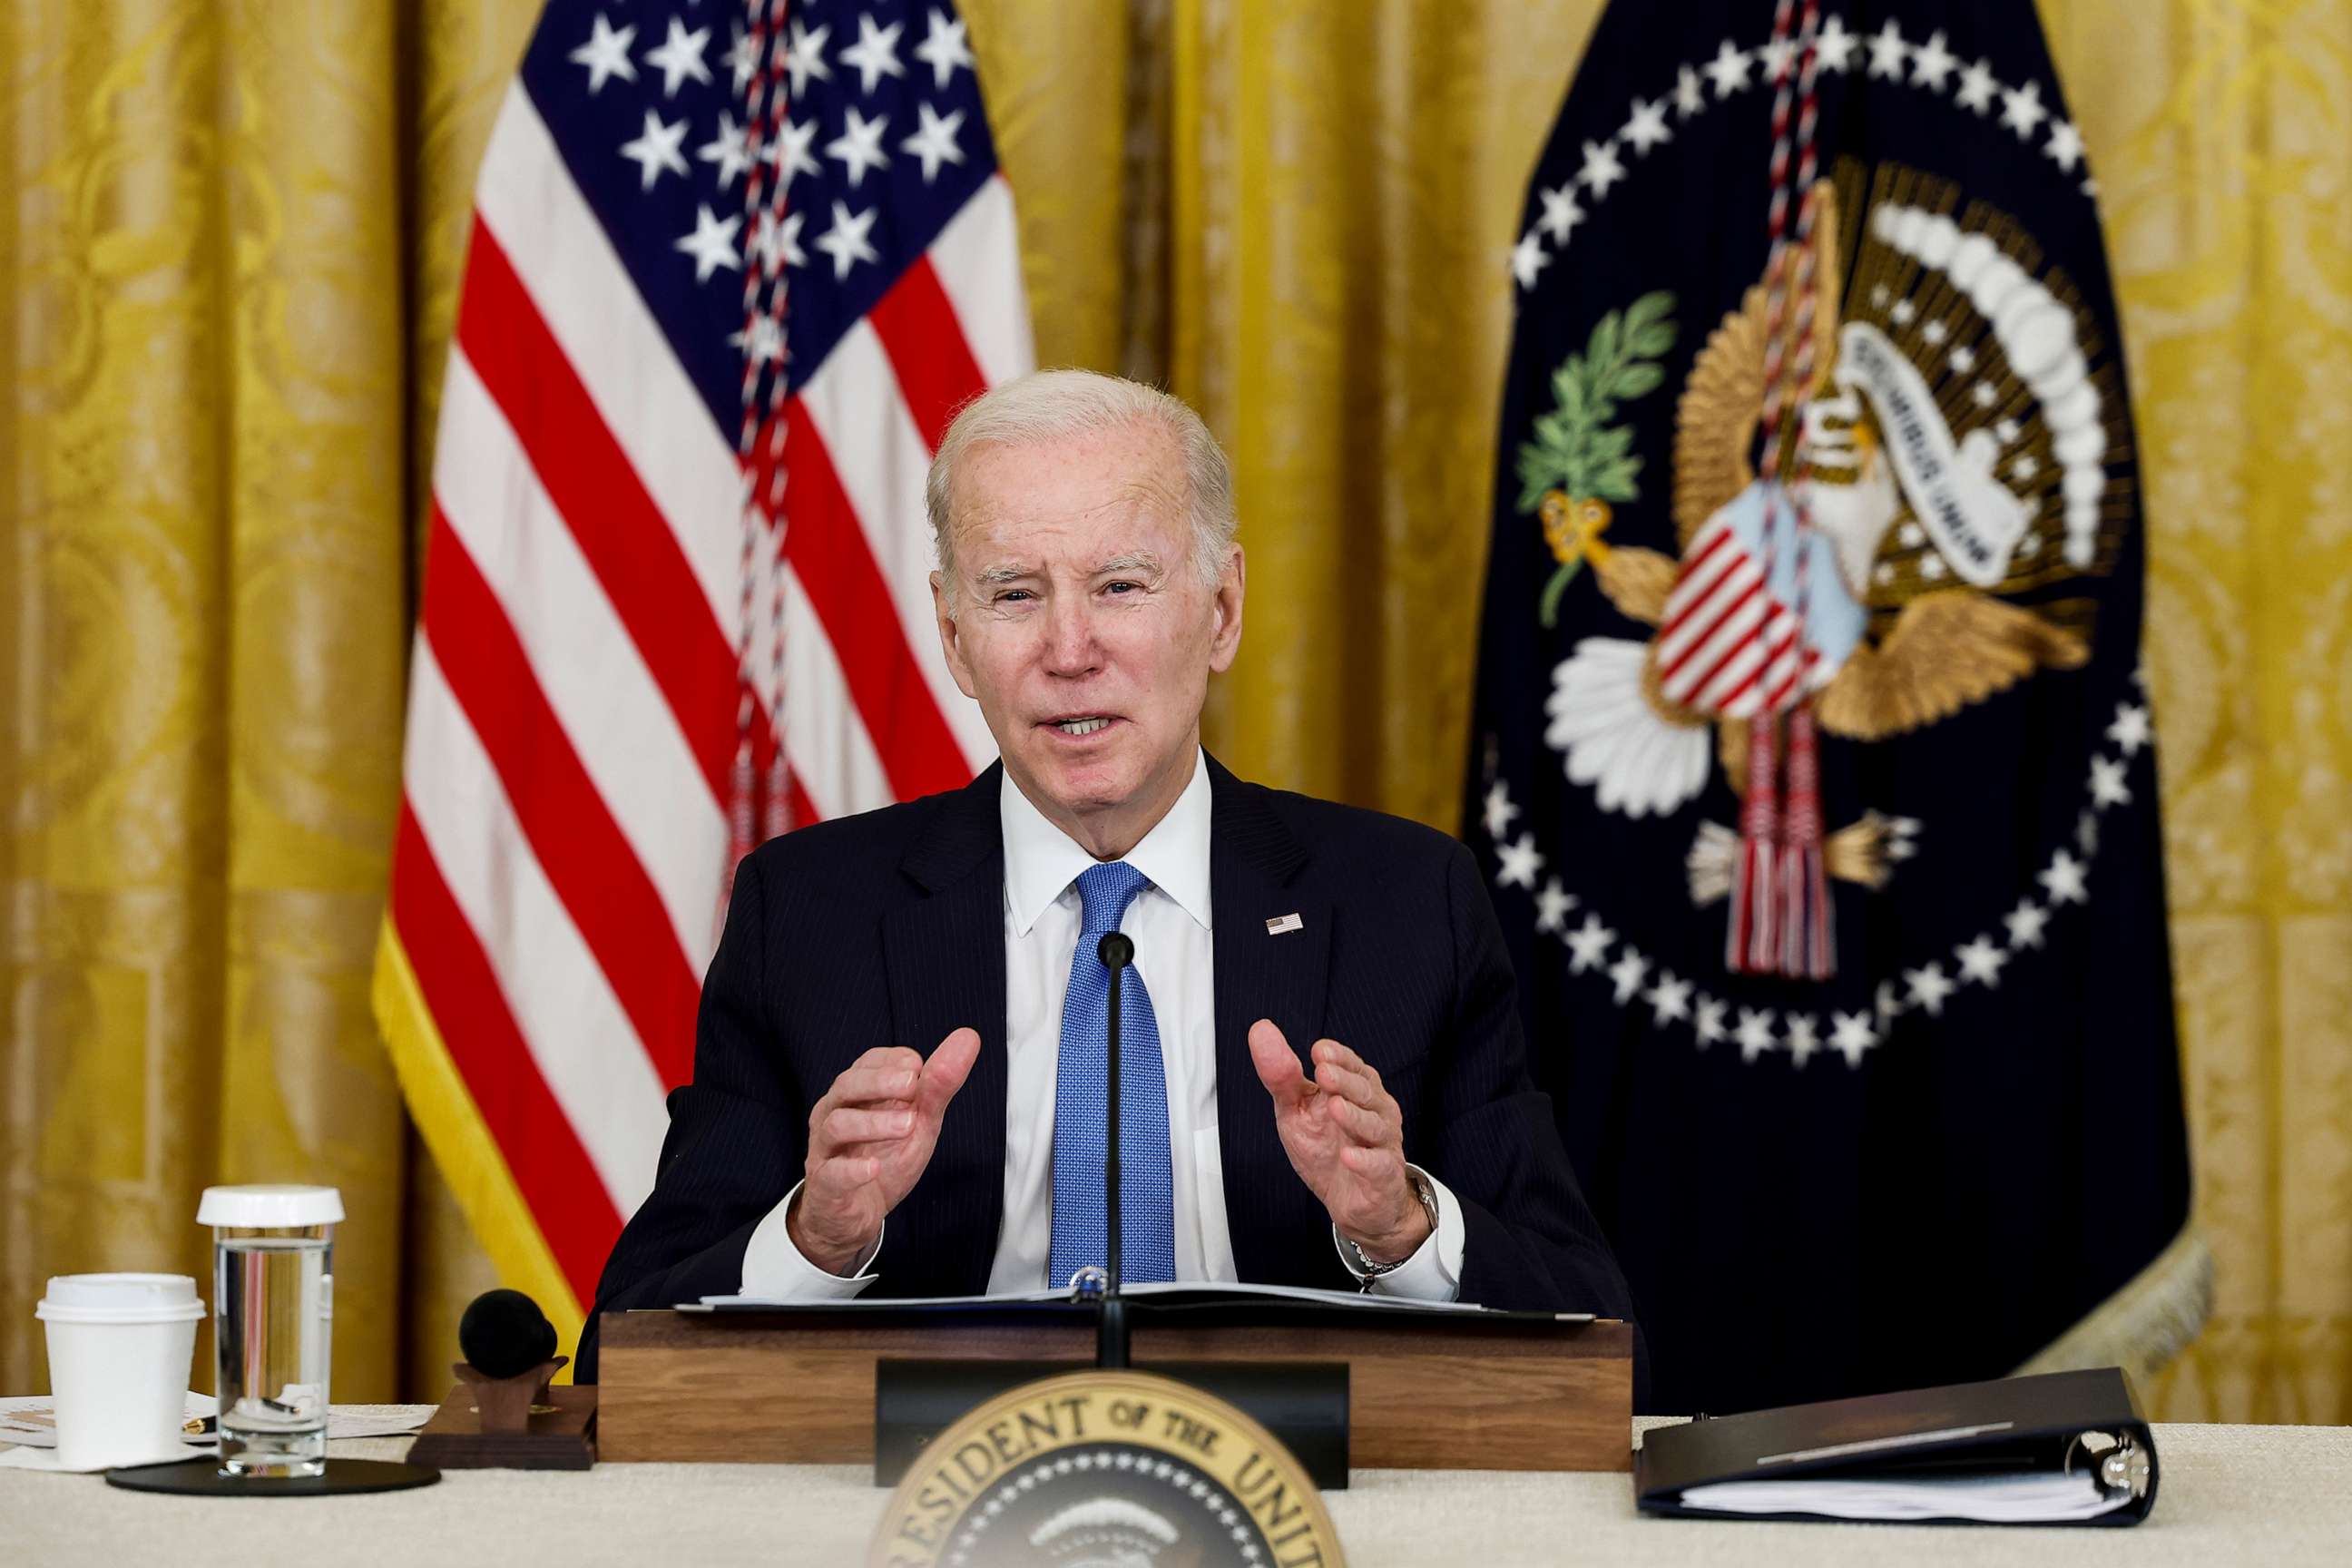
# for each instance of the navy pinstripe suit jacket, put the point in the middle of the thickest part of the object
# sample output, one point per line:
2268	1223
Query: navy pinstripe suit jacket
888	929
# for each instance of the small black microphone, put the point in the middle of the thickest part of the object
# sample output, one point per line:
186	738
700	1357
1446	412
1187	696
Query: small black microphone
1117	952
504	1332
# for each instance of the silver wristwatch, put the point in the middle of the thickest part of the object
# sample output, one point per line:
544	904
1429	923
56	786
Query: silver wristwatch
1368	1270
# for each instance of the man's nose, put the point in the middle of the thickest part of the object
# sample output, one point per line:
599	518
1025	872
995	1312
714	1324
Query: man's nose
1070	645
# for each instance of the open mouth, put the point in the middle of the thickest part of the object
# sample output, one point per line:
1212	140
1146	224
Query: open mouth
1083	726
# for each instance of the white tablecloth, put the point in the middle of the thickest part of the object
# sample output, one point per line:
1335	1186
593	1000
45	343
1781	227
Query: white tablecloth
2231	1494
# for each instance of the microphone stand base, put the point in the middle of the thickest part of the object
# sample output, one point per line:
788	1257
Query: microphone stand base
521	1422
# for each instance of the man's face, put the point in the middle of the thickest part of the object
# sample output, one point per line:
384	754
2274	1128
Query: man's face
1081	625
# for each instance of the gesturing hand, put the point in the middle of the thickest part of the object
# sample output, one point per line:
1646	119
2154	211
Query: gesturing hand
870	1139
1345	1137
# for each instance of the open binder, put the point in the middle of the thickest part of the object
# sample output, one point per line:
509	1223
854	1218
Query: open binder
2062	1447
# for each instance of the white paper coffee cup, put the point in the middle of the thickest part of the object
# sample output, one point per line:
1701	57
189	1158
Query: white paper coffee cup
121	1346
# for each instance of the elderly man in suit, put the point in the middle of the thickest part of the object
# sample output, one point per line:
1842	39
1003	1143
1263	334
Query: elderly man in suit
898	1080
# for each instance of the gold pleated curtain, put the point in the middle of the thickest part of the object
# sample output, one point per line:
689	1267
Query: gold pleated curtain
229	257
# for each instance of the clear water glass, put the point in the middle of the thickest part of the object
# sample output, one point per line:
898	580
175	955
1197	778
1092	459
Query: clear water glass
273	1320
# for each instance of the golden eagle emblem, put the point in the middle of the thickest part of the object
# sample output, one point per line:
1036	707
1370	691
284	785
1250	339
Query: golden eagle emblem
1951	452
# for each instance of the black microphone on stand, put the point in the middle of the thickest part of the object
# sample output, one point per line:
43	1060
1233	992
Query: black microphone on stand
504	1332
1117	952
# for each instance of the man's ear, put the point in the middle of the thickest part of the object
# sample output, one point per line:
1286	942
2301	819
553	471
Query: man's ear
951	638
1226	638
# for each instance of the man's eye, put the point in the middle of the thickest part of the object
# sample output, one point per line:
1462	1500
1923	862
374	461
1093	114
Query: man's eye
1012	595
1123	587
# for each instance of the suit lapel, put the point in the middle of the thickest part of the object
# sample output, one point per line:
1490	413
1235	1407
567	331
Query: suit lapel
1253	877
944	950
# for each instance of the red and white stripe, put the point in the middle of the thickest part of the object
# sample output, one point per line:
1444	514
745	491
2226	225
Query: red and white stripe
572	714
1725	644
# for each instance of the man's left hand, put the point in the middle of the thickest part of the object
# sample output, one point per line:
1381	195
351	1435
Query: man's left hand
1345	1137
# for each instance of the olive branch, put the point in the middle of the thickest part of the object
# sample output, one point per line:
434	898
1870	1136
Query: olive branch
1577	447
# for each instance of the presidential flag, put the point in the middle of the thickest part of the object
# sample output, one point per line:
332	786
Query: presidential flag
732	269
1812	768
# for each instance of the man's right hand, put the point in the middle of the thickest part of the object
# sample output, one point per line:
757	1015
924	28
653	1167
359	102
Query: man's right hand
870	1139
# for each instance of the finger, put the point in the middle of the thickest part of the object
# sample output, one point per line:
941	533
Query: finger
876	1152
833	1102
823	1113
946	1069
868	1085
898	1056
1340	1056
847	1124
838	1174
1351	1086
1277	1065
1368	1128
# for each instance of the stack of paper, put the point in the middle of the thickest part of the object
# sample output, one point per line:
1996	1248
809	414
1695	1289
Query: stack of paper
2043	1497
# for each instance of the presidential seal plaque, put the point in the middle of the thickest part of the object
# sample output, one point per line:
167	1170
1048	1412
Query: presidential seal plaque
1105	1468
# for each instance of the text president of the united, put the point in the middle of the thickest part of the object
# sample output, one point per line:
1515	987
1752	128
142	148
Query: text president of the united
899	1069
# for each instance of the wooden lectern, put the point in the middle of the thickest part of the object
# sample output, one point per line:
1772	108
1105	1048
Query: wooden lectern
1485	1391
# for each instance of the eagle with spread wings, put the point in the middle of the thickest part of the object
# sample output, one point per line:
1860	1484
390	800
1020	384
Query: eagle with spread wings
1927	643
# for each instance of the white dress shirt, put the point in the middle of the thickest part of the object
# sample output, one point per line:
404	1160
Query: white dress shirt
1172	924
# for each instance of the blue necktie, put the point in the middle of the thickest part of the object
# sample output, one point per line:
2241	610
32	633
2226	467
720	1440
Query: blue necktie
1082	1104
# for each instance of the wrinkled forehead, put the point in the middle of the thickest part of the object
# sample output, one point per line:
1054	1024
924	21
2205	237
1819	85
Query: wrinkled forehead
1118	489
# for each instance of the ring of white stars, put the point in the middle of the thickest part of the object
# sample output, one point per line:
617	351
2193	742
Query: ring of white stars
1636	980
1173	1474
1887	55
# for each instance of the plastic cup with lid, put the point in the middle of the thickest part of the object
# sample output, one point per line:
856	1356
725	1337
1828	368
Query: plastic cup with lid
119	1346
274	1297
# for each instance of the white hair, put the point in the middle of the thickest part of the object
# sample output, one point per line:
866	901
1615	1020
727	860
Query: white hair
1053	405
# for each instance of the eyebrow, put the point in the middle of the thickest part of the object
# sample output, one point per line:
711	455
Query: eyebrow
1135	561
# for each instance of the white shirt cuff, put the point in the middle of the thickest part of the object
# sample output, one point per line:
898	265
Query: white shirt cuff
1433	1272
775	1270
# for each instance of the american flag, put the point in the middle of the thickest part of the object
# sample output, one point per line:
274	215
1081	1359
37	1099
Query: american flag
732	270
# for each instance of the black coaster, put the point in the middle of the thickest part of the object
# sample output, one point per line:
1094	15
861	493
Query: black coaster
202	1478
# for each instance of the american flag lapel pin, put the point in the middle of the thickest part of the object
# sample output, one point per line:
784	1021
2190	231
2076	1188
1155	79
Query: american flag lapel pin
1281	923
